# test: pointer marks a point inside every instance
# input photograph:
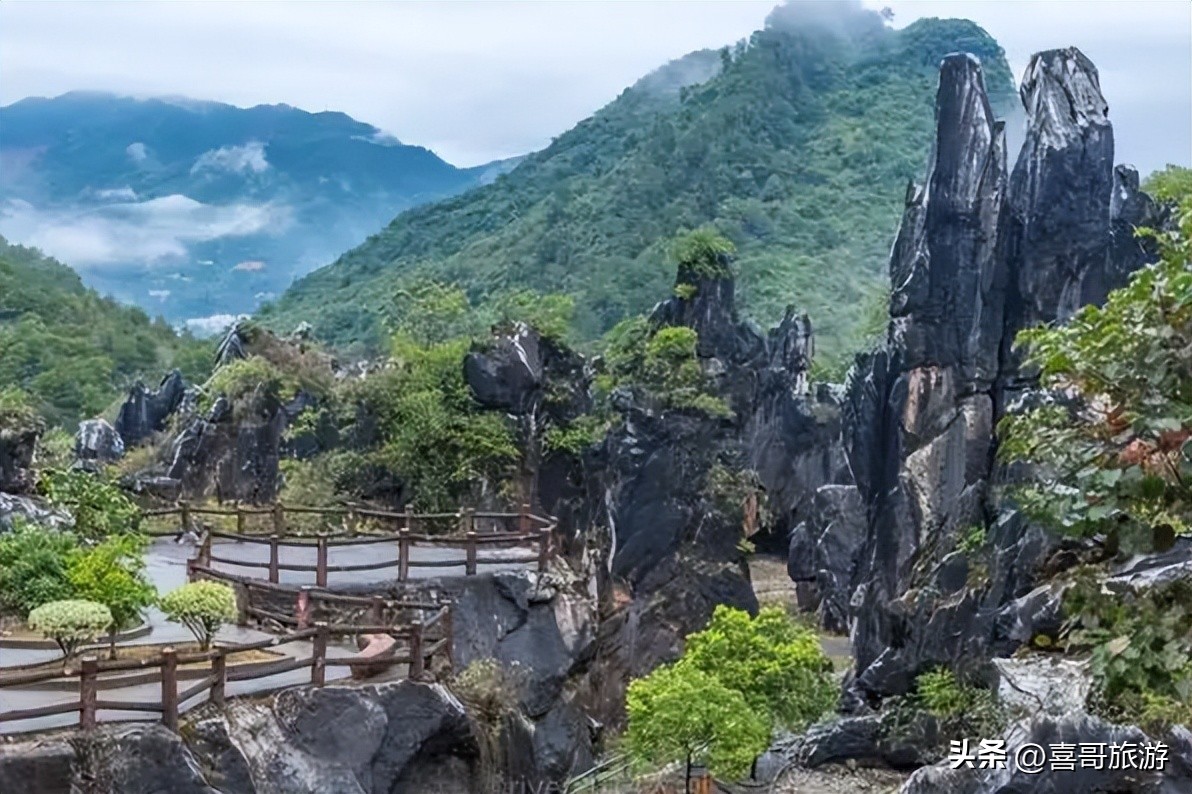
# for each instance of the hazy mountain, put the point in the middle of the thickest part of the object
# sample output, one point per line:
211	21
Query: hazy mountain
195	208
797	144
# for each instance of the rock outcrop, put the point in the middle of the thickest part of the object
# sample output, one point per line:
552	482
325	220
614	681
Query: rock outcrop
96	443
18	442
145	412
981	253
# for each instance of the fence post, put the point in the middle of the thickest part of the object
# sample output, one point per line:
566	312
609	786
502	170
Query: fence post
417	663
191	569
448	624
543	549
219	671
523	518
274	559
279	519
321	562
205	550
470	567
403	554
185	508
318	664
239	519
88	691
169	688
302	608
377	611
243	599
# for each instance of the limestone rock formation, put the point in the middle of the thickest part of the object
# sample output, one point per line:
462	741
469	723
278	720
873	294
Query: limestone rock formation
145	412
97	442
982	252
17	445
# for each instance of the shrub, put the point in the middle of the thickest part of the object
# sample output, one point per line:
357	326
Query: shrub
576	436
99	507
70	623
776	664
33	567
704	252
963	709
202	607
684	714
112	574
17	413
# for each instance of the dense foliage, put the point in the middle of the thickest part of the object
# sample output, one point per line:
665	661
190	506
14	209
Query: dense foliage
774	662
34	567
681	713
203	607
1141	649
738	680
70	623
112	573
962	708
796	145
1110	444
71	350
100	508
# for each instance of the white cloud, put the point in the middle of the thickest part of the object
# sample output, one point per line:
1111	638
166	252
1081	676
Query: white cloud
212	325
160	294
117	194
249	266
249	158
137	152
144	232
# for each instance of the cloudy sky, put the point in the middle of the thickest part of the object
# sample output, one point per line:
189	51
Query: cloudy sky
479	81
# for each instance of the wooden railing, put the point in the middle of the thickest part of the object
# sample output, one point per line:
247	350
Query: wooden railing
534	533
422	646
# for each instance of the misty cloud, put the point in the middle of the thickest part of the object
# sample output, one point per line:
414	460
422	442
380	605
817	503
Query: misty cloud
212	325
145	232
247	159
137	152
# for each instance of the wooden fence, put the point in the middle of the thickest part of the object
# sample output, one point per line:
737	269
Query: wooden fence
534	534
422	645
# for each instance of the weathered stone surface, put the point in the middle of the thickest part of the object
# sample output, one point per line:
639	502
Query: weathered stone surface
97	442
32	510
145	412
45	765
17	446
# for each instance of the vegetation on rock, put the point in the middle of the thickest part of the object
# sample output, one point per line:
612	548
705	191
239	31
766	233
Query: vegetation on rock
100	508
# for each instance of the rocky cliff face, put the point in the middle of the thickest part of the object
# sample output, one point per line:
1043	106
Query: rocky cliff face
981	253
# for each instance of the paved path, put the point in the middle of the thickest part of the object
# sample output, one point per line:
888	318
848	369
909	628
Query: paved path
167	561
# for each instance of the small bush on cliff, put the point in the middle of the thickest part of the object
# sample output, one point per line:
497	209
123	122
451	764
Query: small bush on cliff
490	692
776	663
1111	450
680	713
70	623
705	253
17	413
203	607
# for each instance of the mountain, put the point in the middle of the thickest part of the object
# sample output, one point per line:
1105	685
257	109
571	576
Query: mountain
72	350
797	144
195	208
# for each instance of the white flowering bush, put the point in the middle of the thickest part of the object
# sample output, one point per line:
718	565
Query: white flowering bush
70	623
202	607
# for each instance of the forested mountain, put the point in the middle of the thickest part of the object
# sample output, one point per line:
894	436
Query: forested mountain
797	144
195	208
72	350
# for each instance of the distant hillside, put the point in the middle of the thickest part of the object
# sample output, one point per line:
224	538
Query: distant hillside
72	350
797	144
198	208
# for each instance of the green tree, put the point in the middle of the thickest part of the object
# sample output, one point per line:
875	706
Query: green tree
1111	448
681	713
773	661
704	252
99	507
431	313
203	607
33	567
113	574
70	623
